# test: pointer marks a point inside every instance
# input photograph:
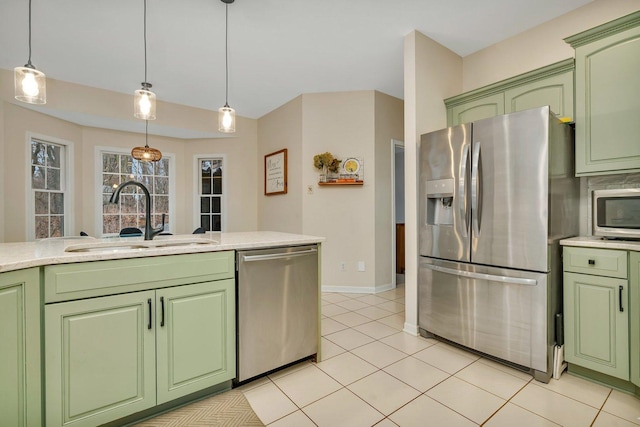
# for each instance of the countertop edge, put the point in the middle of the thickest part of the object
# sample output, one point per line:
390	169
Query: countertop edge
19	256
597	242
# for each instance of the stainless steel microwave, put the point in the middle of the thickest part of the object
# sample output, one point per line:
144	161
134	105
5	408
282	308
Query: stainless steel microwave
616	213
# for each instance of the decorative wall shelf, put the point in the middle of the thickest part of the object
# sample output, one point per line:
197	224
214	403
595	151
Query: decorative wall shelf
341	183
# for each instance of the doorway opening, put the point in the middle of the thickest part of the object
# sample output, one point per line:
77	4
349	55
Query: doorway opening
397	215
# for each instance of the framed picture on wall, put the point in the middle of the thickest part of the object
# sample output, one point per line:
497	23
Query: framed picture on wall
275	173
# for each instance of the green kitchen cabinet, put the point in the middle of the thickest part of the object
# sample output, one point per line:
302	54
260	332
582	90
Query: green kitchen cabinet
485	107
195	337
551	85
100	359
111	356
634	315
608	97
20	372
596	310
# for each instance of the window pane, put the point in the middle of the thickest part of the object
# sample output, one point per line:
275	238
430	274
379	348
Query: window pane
206	168
110	163
38	153
109	183
216	205
131	221
42	202
37	177
206	185
42	227
110	224
147	181
157	221
216	219
53	156
53	179
205	205
161	185
161	204
217	182
147	168
56	226
205	223
57	203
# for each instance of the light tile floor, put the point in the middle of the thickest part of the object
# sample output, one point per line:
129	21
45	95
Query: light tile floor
372	373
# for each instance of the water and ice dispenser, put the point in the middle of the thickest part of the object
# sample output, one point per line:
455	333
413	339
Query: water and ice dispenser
440	201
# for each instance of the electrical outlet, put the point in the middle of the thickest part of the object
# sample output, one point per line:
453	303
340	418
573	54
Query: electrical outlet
343	266
310	189
360	265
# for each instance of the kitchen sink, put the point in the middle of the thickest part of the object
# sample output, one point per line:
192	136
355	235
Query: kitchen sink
121	243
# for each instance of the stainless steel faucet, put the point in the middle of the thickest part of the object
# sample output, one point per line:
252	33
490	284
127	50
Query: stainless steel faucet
149	232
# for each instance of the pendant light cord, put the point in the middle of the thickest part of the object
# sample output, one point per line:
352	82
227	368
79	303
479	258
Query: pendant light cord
29	61
145	40
226	54
146	134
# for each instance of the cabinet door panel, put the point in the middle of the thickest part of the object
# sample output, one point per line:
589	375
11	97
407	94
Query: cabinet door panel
100	359
20	348
634	315
486	107
596	331
555	91
608	105
196	344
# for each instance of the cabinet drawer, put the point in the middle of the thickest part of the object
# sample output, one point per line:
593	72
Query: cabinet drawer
599	262
98	278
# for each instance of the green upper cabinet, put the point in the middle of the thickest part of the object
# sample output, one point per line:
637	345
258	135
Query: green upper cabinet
20	348
551	85
608	97
634	315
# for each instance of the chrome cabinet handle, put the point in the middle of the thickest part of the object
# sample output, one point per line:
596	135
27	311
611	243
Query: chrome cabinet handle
620	288
592	262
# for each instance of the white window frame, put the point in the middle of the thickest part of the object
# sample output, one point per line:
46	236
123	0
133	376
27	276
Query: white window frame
196	188
66	164
99	150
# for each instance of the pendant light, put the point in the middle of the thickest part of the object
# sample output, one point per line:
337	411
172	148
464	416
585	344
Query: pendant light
226	114
144	101
146	153
30	84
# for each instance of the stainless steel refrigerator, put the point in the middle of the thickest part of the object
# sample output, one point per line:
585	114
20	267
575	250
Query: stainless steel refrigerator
495	198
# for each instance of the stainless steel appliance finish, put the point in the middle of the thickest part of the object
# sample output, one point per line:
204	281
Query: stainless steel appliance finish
277	308
495	197
616	213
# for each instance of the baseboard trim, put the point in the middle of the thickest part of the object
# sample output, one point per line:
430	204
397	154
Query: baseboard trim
411	329
359	289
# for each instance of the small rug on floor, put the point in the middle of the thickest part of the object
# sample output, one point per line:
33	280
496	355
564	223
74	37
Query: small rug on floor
228	409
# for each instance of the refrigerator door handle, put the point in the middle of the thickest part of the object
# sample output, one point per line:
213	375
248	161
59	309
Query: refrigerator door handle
463	203
476	189
483	276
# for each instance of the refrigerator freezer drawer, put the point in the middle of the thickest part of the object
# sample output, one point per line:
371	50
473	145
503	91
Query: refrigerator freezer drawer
496	311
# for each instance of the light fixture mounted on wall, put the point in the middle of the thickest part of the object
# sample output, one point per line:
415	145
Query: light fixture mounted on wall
30	84
146	153
226	114
144	101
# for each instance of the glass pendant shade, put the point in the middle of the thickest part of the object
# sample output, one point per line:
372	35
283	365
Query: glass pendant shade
226	119
144	103
30	85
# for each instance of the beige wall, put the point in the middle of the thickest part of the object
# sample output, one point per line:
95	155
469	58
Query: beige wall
540	46
431	73
389	124
282	128
16	121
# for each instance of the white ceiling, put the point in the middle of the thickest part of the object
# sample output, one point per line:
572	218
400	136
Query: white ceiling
278	49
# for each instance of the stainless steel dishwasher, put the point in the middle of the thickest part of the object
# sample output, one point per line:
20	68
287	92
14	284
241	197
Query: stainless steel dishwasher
277	308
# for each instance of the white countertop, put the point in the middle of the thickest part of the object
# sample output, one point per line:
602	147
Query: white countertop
599	242
16	256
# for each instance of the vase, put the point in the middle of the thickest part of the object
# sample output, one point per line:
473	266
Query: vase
323	174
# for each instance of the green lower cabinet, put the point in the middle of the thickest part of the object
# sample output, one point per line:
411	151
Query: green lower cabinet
195	337
114	356
100	359
634	315
597	323
20	390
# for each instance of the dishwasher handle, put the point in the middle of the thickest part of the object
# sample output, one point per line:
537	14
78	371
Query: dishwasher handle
278	255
